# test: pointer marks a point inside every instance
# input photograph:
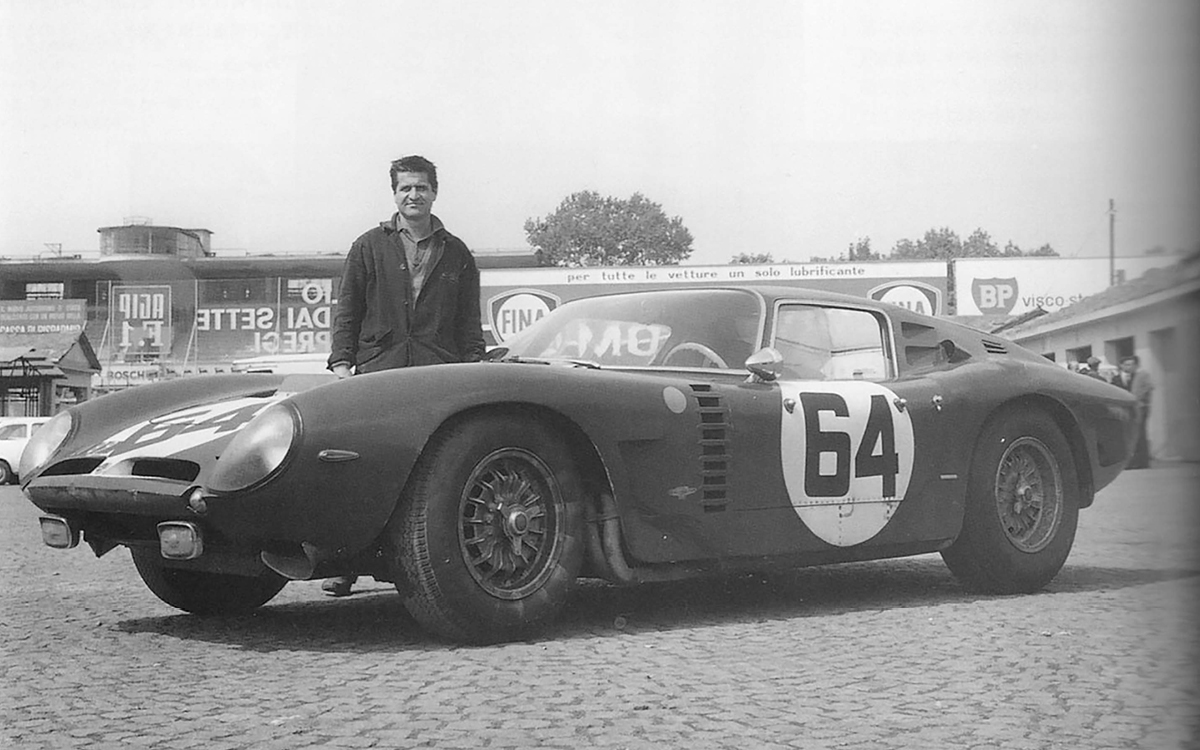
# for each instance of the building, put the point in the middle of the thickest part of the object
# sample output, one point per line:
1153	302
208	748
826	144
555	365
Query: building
1156	317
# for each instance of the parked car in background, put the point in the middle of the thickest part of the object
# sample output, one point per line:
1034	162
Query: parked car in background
646	436
14	434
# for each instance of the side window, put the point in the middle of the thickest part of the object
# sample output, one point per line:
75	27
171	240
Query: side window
830	343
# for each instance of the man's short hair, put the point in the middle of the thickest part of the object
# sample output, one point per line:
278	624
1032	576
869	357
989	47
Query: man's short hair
1131	358
414	163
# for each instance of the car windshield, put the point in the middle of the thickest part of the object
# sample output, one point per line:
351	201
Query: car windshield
678	328
12	431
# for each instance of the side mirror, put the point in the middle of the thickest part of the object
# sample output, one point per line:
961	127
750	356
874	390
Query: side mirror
766	365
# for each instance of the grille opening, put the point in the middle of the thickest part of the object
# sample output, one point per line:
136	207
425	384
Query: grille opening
712	434
994	347
712	417
712	450
710	402
72	466
714	466
165	468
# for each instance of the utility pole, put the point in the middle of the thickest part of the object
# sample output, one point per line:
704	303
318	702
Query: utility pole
1112	242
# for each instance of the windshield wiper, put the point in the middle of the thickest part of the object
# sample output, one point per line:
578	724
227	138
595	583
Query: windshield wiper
546	361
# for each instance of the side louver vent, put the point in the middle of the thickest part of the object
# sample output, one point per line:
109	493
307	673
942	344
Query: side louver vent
714	447
994	347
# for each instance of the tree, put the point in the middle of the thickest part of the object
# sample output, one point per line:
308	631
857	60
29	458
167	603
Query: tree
944	244
937	244
1012	250
750	259
860	250
589	230
979	245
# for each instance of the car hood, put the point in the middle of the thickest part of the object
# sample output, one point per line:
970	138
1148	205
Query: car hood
170	430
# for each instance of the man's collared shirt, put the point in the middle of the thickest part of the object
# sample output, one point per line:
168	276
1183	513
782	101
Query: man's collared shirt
418	252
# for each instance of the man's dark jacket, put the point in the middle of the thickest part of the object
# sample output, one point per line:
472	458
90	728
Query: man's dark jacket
378	324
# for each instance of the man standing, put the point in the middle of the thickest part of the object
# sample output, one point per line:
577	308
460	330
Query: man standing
1137	381
409	293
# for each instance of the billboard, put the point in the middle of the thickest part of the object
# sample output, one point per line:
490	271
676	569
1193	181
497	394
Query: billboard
141	319
291	316
1014	286
41	316
511	299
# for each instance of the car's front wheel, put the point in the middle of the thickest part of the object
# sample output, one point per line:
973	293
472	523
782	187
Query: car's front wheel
1022	507
6	473
487	542
204	593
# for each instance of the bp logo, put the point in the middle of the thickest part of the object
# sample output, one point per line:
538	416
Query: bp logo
994	296
511	312
915	295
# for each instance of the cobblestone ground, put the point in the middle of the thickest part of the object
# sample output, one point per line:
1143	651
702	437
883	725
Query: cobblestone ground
866	656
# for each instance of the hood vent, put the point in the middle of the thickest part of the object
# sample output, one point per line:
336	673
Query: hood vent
994	347
714	447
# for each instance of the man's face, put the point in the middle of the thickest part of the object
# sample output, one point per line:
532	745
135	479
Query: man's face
1128	366
414	195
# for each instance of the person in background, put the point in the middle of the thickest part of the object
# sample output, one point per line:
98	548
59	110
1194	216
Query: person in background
1138	382
1093	368
409	294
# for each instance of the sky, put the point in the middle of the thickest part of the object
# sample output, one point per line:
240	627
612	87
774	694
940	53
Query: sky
790	128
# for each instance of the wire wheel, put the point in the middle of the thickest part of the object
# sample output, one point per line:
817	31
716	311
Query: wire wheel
1029	494
511	525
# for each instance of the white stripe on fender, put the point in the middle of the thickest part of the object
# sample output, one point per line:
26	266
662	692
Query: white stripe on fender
179	431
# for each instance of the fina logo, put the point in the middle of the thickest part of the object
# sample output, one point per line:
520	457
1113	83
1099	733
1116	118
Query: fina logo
513	311
913	295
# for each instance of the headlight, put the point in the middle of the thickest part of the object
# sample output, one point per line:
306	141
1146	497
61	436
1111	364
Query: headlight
257	451
44	442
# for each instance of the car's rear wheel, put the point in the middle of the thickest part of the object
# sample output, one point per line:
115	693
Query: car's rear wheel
1022	507
487	542
6	473
204	593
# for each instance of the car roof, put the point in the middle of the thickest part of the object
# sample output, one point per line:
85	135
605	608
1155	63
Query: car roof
771	293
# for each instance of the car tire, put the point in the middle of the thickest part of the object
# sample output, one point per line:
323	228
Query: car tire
487	541
1022	507
6	473
204	593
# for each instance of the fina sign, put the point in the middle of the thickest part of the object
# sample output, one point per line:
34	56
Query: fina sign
513	311
917	296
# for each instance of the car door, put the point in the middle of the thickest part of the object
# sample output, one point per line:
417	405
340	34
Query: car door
837	457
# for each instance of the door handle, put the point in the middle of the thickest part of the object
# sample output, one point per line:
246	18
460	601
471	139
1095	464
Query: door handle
901	403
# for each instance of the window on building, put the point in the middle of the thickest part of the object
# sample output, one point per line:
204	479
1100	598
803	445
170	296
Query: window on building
830	343
1079	354
309	291
238	291
1117	349
44	290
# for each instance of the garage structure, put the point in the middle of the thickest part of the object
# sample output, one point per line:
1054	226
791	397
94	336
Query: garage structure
1157	318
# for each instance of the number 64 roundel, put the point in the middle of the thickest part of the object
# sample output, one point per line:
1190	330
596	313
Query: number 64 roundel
847	457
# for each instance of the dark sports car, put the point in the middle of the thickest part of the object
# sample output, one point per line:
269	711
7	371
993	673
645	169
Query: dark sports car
634	437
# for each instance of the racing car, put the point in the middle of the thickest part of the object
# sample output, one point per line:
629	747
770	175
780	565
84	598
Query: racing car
635	437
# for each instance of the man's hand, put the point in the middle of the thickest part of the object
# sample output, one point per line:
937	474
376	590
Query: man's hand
342	370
